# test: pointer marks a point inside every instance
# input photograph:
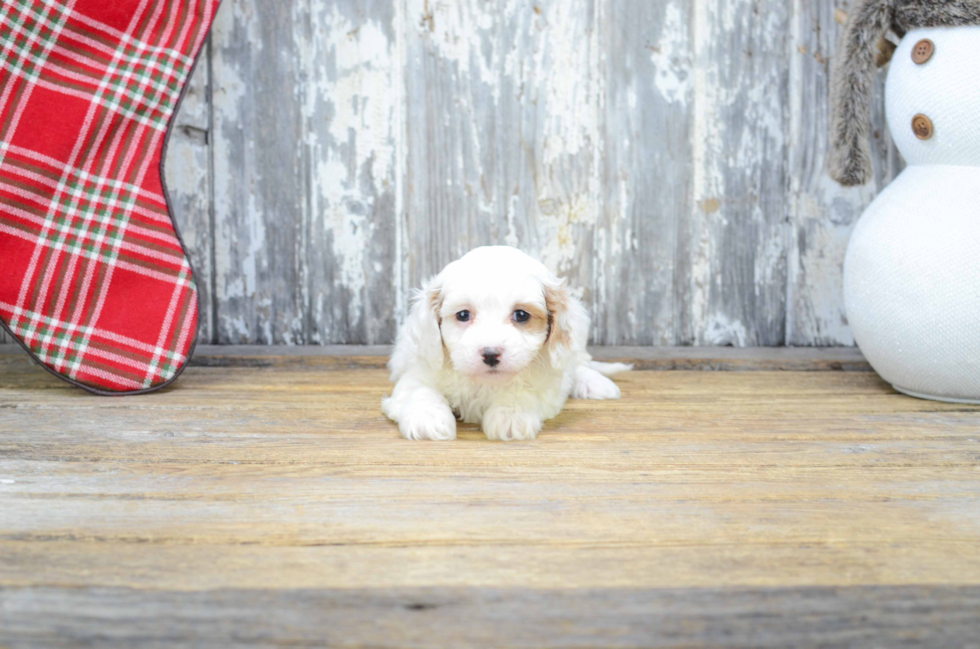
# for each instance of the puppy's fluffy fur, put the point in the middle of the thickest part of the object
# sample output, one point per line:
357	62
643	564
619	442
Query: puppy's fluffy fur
497	340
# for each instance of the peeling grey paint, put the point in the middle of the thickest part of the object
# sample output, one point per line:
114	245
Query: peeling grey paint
822	212
645	171
665	155
188	176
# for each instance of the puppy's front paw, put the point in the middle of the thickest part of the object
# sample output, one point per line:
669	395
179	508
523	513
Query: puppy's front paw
507	424
590	384
435	423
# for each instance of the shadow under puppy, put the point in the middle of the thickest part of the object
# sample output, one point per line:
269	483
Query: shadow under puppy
494	339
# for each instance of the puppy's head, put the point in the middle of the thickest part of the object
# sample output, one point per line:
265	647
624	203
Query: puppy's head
498	311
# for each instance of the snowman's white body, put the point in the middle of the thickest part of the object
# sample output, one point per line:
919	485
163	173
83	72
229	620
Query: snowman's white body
912	271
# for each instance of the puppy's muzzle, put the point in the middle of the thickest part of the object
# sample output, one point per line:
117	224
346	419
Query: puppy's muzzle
491	356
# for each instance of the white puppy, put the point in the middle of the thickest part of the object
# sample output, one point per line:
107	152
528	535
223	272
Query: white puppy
497	340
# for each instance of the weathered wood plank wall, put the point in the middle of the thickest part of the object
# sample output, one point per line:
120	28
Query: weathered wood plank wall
665	155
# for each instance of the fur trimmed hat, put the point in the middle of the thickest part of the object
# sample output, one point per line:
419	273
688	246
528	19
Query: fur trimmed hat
849	160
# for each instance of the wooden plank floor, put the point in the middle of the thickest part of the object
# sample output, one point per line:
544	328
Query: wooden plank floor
275	505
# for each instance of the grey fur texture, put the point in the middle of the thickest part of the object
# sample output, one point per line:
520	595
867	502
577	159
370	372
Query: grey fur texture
849	160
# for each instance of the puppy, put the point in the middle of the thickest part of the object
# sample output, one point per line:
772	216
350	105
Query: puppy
494	339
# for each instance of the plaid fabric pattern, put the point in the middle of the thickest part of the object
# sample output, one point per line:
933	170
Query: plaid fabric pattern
93	277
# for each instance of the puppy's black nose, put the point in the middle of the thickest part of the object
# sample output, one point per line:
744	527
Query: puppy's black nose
491	356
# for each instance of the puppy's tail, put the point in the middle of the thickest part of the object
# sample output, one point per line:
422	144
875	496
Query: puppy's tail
609	369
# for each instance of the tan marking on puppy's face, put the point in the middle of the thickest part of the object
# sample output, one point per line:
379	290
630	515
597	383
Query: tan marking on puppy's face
538	322
492	286
434	298
557	300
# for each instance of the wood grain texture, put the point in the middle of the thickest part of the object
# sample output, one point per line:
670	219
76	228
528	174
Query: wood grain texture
349	357
188	176
501	132
794	499
823	212
666	156
733	359
304	122
736	235
258	186
350	111
736	359
927	616
645	173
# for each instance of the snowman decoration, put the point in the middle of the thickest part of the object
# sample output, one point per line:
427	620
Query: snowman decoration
912	270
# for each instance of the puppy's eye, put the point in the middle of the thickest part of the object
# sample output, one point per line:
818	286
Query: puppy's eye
521	316
463	316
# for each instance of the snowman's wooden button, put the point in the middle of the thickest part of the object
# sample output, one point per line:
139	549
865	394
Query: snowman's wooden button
922	51
922	127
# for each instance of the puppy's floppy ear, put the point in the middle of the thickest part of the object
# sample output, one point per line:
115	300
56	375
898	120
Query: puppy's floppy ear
420	339
428	324
568	323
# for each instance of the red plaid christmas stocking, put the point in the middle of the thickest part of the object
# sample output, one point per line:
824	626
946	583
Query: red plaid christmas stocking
94	280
